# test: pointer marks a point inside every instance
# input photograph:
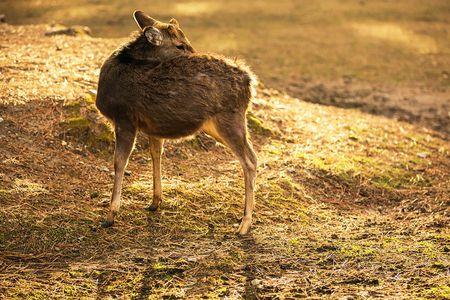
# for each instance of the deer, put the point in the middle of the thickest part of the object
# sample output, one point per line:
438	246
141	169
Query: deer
157	84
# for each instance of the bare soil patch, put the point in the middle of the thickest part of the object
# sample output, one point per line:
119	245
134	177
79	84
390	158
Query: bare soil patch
422	106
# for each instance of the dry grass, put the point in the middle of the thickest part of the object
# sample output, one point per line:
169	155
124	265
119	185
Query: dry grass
388	42
348	204
386	58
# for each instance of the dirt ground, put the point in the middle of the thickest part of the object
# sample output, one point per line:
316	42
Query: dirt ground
350	205
421	106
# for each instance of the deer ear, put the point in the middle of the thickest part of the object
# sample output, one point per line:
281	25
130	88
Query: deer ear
154	36
174	22
142	19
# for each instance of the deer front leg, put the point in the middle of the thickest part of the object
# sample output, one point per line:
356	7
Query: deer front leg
156	149
125	137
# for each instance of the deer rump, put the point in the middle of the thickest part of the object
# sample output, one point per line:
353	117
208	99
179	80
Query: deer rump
173	98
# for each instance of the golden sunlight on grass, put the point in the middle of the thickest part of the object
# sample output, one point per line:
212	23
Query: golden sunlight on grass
28	187
396	34
353	157
220	42
196	8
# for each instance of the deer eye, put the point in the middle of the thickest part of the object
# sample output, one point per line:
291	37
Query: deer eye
181	47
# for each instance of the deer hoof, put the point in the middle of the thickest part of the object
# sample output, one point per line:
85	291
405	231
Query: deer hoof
244	227
155	205
106	223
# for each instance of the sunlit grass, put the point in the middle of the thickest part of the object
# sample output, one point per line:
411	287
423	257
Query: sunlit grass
396	34
196	8
397	42
346	202
28	187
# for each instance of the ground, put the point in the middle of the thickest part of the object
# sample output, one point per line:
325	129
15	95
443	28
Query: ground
349	204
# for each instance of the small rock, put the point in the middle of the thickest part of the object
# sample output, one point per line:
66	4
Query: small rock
256	282
143	161
72	31
104	169
1	119
79	151
103	201
64	143
94	194
422	155
191	259
127	173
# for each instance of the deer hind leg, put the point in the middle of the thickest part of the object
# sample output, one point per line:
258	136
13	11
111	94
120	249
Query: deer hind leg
125	136
232	131
156	149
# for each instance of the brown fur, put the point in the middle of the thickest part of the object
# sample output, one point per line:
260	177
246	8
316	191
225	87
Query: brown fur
168	91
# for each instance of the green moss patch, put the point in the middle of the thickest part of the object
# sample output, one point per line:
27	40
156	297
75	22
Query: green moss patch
257	125
84	125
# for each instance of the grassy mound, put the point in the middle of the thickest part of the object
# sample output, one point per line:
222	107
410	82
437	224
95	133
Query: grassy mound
84	125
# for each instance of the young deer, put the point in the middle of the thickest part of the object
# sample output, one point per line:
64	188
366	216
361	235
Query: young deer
158	84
